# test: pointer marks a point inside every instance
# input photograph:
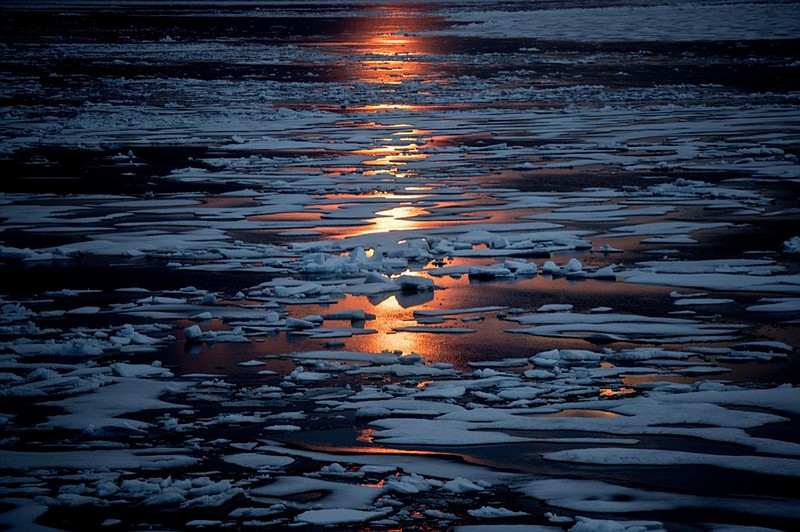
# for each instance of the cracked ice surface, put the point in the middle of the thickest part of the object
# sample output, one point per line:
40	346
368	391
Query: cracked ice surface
360	266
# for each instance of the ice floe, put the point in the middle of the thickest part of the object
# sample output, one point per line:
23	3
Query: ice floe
403	308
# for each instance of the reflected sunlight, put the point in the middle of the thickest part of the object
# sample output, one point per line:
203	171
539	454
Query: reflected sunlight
610	392
365	435
392	59
396	219
388	107
393	155
390	49
392	315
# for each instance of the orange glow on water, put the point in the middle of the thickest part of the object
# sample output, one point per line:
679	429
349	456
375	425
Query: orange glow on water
379	195
396	219
393	155
389	150
388	49
621	392
300	216
369	450
392	59
392	313
365	435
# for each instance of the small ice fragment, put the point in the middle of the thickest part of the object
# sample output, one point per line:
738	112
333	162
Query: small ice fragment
294	323
551	268
372	412
792	245
413	283
605	273
461	485
488	512
574	268
411	359
554	308
193	333
251	363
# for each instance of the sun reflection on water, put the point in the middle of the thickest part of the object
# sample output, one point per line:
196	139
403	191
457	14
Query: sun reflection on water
393	59
389	49
396	219
388	107
618	392
391	154
365	435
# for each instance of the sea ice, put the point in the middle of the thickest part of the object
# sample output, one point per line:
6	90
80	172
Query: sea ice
258	461
336	516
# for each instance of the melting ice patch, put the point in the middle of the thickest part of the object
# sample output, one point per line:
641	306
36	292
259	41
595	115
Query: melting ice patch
356	199
605	497
623	327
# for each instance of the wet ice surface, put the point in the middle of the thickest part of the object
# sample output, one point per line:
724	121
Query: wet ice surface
419	266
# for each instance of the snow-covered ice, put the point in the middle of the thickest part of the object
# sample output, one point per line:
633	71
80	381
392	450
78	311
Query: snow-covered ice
383	265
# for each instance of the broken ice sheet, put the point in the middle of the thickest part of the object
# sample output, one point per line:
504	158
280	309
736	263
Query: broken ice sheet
437	186
608	498
624	327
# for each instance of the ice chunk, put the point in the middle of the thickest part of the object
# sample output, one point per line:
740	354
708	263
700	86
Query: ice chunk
193	333
337	495
792	245
337	516
554	308
258	461
660	457
413	283
251	363
489	512
574	268
462	485
584	524
140	370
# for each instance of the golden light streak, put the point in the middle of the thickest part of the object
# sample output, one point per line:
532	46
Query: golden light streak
610	392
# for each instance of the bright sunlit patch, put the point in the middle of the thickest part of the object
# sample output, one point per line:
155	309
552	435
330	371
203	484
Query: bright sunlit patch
394	41
619	392
380	195
395	219
386	171
392	314
389	106
395	159
392	156
408	273
365	435
390	149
